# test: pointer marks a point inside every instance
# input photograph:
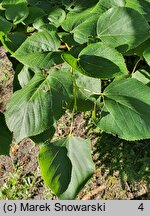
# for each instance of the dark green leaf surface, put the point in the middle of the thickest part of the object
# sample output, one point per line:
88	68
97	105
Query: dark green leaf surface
79	153
79	5
72	61
39	104
44	5
34	13
55	166
44	136
17	12
126	109
66	165
88	84
81	25
139	50
142	6
5	26
14	40
101	61
98	60
5	137
146	55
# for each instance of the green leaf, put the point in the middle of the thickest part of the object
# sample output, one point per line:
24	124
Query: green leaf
79	5
101	61
72	61
17	12
122	26
90	85
97	60
44	136
44	5
88	89
55	166
82	25
74	19
5	26
66	165
57	16
40	50
24	76
103	5
146	55
34	13
139	50
41	22
5	136
86	29
126	110
48	27
8	3
16	84
68	39
39	104
143	76
14	40
142	6
79	152
106	4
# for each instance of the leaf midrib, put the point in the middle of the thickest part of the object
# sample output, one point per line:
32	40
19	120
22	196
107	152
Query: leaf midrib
121	103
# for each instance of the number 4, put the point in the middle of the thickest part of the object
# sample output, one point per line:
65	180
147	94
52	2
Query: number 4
141	207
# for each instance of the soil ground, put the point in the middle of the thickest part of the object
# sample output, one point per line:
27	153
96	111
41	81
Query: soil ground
122	169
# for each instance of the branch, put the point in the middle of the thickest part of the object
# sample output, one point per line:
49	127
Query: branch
94	192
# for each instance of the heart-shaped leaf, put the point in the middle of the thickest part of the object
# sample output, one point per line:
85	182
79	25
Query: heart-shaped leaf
66	165
17	12
126	109
39	104
40	50
98	60
122	26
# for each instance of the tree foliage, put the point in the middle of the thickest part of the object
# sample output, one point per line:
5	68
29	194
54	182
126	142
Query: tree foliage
73	55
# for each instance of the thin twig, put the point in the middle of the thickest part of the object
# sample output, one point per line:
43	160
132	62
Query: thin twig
134	69
94	192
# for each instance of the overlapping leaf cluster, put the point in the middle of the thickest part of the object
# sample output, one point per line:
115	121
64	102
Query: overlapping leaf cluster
73	55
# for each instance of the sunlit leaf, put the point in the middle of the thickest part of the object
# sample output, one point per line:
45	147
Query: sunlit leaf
40	50
126	111
122	26
39	104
